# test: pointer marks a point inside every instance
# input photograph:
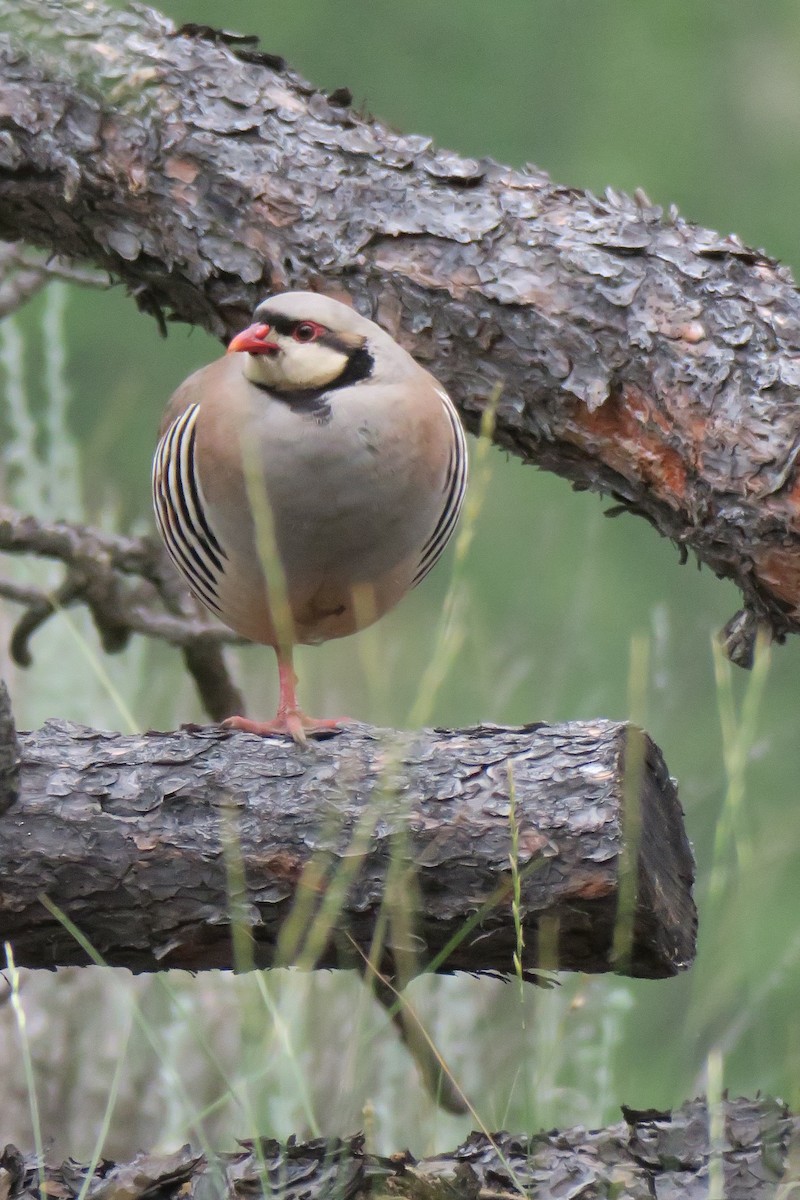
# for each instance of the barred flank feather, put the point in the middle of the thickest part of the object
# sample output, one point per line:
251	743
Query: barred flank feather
455	486
180	511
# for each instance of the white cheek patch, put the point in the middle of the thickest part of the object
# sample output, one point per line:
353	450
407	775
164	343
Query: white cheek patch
313	365
298	366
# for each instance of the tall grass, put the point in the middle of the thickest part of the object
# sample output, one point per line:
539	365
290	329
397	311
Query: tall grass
41	474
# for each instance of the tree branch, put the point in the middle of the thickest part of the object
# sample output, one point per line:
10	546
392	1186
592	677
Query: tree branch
638	355
140	841
648	1154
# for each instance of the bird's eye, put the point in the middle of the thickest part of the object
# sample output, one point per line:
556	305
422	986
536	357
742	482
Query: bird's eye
306	332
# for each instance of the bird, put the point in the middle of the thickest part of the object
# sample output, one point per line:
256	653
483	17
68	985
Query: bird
305	481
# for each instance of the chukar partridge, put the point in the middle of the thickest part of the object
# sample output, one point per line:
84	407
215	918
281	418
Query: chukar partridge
305	481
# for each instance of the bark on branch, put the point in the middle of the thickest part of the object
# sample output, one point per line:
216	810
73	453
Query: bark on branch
160	847
638	355
648	1154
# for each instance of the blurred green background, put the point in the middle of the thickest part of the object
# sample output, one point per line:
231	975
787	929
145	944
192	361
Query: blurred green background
700	106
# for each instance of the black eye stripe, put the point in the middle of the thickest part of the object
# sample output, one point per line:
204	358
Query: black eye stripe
335	342
277	321
287	325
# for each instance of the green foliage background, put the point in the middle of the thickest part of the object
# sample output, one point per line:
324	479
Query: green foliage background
700	106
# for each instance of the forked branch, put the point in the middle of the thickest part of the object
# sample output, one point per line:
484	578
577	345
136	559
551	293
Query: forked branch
129	586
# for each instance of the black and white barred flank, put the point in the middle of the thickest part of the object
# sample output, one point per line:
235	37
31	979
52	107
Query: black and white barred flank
180	511
455	486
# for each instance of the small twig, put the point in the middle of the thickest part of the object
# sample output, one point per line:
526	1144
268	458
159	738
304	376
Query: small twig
179	631
434	1072
126	583
219	695
24	272
69	543
19	594
36	615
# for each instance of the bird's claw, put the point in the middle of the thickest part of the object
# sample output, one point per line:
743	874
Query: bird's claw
288	722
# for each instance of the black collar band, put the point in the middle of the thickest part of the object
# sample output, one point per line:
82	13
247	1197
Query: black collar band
358	366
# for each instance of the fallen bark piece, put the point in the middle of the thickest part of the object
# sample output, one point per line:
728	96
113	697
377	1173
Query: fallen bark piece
162	848
648	1154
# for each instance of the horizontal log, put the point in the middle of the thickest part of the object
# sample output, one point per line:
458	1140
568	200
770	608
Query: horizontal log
161	848
648	1154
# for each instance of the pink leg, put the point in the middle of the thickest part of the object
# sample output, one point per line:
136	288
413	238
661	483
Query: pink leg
289	719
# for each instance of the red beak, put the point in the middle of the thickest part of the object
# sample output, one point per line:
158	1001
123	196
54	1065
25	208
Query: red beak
253	340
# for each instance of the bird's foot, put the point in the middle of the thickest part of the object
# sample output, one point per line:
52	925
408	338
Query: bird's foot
291	722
